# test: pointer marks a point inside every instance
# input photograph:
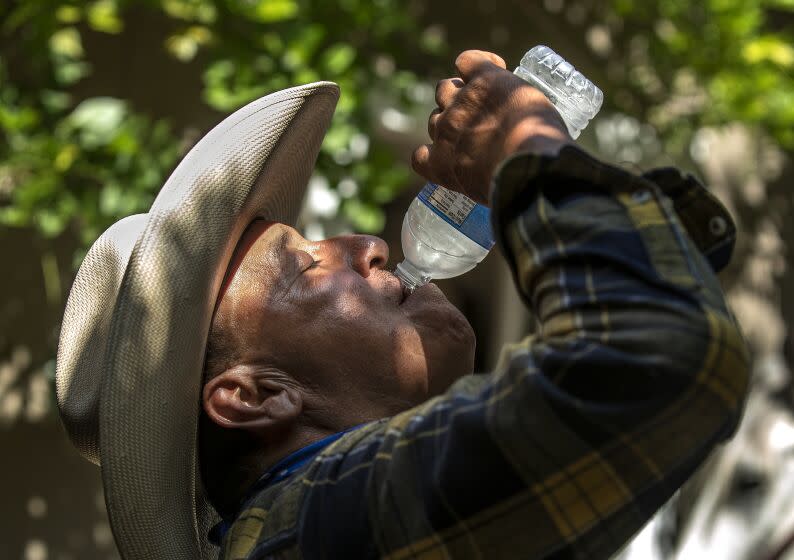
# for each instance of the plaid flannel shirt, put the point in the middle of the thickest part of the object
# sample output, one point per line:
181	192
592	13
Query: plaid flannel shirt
636	371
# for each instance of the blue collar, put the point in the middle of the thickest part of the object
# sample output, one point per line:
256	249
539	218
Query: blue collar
278	472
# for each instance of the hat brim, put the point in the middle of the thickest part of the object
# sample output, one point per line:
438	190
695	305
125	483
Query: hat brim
254	164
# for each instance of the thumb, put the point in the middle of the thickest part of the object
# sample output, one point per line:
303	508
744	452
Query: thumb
472	62
435	171
420	161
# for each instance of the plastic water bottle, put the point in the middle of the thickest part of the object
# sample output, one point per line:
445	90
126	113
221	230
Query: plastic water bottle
445	233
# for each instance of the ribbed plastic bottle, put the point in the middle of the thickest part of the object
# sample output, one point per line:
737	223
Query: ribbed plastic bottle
445	233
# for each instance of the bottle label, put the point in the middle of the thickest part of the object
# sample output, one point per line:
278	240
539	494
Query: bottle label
471	219
455	207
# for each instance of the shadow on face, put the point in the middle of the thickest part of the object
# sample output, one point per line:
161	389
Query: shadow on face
329	316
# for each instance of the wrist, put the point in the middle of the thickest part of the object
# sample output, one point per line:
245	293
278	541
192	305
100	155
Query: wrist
537	135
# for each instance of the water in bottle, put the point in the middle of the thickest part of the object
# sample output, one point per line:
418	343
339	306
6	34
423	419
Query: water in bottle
445	233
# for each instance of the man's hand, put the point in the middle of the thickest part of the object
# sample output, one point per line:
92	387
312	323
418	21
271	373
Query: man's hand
485	115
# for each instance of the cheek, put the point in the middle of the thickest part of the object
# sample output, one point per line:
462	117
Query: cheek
410	360
374	339
348	318
447	343
341	297
437	320
350	307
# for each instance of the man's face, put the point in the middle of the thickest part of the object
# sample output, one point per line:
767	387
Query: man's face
328	315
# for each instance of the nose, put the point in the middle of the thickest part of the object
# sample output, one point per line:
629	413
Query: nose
367	252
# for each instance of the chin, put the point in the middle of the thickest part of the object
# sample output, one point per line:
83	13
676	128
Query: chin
451	363
436	344
449	349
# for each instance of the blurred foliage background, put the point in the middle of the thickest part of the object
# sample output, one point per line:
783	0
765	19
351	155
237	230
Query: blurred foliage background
73	158
100	99
83	161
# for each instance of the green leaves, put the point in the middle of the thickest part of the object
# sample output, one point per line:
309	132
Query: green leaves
184	45
68	14
769	48
739	64
65	157
97	120
66	53
229	85
103	16
66	43
365	217
88	165
779	4
100	15
264	11
18	119
203	11
74	159
337	59
269	11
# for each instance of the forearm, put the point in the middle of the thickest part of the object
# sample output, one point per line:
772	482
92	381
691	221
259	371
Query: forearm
606	266
637	369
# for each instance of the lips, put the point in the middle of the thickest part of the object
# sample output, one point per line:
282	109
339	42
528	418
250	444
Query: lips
402	292
394	288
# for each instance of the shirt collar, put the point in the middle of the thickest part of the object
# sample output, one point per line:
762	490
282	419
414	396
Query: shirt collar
278	472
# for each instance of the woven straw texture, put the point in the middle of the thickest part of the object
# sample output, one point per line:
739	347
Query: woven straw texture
86	322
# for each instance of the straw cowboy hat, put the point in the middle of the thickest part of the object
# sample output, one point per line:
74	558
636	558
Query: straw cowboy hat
132	343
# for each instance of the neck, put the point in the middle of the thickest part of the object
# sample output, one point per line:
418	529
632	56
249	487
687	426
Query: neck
232	462
298	438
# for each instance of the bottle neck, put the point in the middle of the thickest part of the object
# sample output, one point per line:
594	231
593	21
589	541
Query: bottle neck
410	276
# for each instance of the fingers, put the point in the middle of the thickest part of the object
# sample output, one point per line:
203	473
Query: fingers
453	157
429	161
471	63
446	91
432	123
425	161
420	161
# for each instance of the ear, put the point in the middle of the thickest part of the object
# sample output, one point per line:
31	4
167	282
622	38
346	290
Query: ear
251	400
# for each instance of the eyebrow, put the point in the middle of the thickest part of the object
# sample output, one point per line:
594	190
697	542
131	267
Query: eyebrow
281	244
287	266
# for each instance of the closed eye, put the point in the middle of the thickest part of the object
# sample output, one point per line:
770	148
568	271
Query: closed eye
314	264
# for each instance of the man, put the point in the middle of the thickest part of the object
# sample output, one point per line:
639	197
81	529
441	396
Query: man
338	419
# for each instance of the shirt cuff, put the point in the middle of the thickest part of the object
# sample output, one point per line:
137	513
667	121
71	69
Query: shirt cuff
573	173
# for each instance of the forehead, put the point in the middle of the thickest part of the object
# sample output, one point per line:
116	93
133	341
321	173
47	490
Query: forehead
260	247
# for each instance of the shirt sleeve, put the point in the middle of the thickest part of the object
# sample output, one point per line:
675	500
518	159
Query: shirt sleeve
636	371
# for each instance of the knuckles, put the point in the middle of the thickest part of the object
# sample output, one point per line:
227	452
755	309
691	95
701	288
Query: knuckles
419	158
473	59
475	117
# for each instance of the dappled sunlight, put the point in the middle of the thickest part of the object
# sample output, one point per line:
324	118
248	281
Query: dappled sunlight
100	100
25	393
35	550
